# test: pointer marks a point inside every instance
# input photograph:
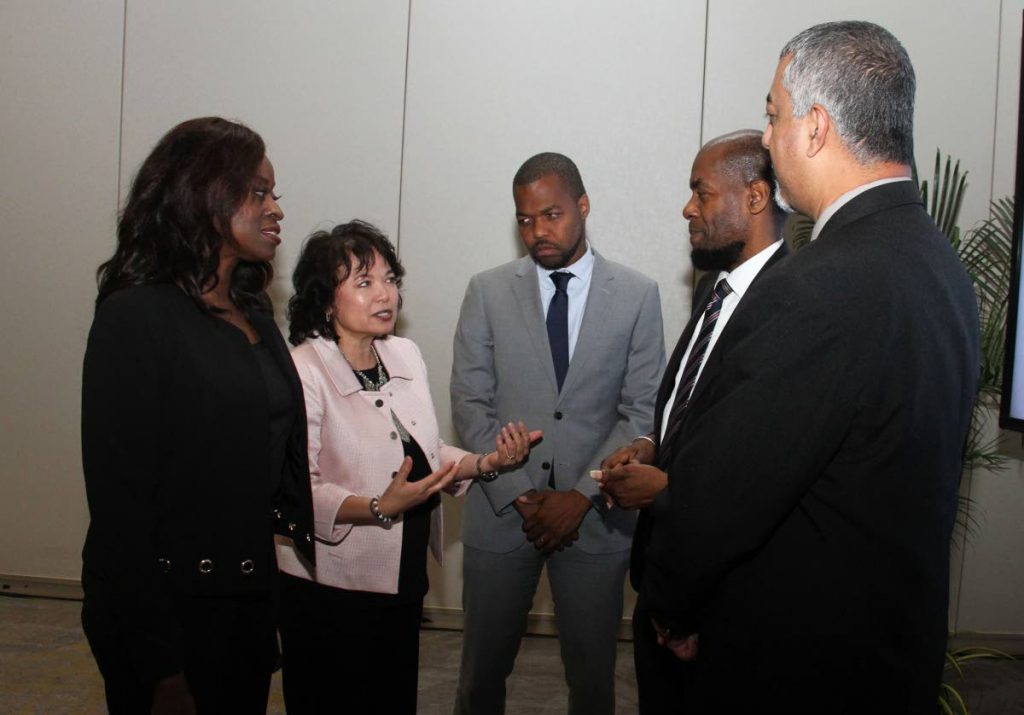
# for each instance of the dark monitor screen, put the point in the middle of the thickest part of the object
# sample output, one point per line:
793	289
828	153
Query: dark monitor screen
1011	414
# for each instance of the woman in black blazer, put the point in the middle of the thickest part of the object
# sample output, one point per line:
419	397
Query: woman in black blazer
193	433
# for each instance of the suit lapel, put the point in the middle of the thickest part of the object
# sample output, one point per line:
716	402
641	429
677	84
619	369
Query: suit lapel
600	300
713	360
668	382
527	293
271	337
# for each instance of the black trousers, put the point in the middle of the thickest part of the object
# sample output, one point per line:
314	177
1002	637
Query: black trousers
662	679
345	651
230	652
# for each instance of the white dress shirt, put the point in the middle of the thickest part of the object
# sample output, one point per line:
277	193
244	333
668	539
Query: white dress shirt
739	280
577	289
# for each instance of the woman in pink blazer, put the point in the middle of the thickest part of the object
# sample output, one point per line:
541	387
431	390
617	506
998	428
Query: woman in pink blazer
350	624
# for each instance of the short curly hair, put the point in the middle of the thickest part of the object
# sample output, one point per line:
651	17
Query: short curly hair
327	258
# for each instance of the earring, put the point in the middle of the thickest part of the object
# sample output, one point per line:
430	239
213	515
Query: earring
329	316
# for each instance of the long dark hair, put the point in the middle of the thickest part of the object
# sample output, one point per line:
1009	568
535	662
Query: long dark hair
327	258
179	211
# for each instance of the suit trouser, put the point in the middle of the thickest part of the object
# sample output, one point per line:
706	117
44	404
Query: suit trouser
497	594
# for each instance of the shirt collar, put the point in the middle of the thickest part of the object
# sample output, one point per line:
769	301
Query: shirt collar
743	275
833	207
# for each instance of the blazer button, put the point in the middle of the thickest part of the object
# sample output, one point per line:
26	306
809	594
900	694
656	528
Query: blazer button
414	423
248	567
291	526
308	537
558	415
394	435
546	466
206	566
164	565
379	403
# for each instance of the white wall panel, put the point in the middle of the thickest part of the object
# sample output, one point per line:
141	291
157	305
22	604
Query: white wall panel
615	86
60	69
322	83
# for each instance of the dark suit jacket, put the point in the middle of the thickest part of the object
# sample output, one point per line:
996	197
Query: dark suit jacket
175	451
701	296
806	529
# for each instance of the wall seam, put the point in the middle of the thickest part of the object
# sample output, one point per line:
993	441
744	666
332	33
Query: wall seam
995	108
401	151
704	72
120	109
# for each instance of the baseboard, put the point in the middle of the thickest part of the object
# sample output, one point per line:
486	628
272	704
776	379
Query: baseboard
435	617
1012	643
41	587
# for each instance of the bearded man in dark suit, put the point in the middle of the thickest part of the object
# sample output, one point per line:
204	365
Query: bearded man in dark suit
735	229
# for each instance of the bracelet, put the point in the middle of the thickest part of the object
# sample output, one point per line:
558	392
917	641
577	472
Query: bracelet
481	474
646	437
377	513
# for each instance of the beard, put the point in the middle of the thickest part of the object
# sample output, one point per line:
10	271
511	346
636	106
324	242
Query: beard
780	201
559	260
722	258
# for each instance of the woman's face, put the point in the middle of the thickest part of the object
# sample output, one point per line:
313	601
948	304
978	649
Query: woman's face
255	227
366	302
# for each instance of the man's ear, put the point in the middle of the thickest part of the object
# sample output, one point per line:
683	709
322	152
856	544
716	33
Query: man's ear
819	126
583	204
759	196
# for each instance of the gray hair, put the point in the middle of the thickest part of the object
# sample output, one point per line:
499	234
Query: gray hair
862	76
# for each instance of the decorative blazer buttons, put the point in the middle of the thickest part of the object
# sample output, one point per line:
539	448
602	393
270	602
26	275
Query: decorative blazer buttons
164	565
206	566
248	567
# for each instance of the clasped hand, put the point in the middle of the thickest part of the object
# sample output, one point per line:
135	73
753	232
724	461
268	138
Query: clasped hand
626	477
683	647
552	519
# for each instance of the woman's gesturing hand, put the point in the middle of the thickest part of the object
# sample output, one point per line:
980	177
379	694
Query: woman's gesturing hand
512	445
401	495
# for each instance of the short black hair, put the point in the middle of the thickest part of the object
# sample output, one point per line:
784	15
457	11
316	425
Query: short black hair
327	258
547	163
745	159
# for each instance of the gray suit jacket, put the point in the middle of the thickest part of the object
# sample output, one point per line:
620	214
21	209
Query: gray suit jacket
502	371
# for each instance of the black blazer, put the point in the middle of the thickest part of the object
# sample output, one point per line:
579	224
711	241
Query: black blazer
701	296
175	451
806	529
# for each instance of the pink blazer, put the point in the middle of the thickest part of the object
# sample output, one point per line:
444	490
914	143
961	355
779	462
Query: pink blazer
353	450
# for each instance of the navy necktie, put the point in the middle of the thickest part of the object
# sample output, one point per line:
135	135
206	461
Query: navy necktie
700	347
558	326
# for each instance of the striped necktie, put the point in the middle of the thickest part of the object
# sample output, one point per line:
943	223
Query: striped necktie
700	347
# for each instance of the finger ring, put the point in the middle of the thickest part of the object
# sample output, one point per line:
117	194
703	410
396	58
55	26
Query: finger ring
509	457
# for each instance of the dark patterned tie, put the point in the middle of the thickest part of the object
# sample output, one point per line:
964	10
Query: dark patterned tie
558	325
700	347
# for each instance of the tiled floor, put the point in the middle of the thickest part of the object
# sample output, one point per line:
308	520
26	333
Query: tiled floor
46	667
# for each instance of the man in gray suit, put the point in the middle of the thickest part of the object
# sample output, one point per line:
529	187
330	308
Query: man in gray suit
572	344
